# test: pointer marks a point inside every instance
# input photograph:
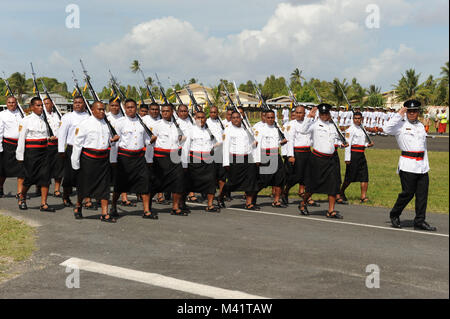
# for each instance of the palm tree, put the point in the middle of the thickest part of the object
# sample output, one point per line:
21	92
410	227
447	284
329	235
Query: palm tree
296	76
408	85
337	95
373	89
18	84
444	71
135	66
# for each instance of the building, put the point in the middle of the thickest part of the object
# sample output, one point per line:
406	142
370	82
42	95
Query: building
63	104
390	98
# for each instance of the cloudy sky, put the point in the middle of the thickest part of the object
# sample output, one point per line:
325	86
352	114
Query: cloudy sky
233	39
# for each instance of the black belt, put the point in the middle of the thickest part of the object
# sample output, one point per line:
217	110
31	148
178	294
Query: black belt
95	153
131	153
415	155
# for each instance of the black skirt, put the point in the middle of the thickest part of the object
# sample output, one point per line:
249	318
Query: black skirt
11	166
338	164
296	173
357	170
242	175
94	176
55	162
221	172
271	171
201	174
168	172
323	174
70	175
36	167
132	174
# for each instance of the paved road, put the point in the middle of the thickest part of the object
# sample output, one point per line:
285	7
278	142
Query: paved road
439	143
274	253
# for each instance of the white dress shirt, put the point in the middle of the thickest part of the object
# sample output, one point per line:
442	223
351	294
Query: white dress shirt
354	136
323	135
296	138
411	137
69	123
9	125
236	141
31	127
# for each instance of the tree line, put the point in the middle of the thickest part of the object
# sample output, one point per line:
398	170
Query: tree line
432	91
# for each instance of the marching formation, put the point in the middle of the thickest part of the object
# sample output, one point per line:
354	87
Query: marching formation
171	154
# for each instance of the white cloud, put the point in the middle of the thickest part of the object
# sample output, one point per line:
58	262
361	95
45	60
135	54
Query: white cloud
326	39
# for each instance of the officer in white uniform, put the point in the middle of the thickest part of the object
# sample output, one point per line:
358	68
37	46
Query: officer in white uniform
413	164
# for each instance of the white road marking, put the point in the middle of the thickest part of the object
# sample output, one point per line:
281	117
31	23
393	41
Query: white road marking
332	221
157	280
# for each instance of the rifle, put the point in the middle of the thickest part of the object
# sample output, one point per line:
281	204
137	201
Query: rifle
341	137
87	79
123	98
197	109
236	92
48	97
350	106
80	93
180	102
292	97
180	132
8	90
265	106
44	115
209	102
247	129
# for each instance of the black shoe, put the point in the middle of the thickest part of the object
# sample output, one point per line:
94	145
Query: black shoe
334	214
23	205
150	215
185	208
395	221
78	213
303	211
90	207
48	209
252	207
424	226
113	212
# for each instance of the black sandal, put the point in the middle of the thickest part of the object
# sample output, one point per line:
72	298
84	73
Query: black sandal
57	194
23	204
251	207
212	209
127	203
48	209
108	220
334	214
313	204
67	202
364	200
77	212
192	199
179	212
303	211
341	201
278	205
150	215
90	207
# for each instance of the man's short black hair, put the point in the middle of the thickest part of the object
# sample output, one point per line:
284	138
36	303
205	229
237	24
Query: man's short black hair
114	99
269	111
34	100
154	104
130	100
144	106
357	114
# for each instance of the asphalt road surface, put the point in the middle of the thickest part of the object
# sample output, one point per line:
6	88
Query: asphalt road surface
274	253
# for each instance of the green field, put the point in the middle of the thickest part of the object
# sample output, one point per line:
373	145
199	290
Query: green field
384	183
16	243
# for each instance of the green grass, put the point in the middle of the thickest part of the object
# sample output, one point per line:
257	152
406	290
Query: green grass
16	243
384	183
